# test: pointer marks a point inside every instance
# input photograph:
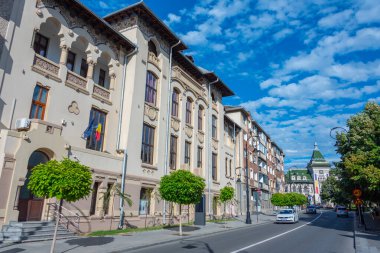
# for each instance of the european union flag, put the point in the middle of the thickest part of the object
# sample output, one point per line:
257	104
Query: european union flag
87	133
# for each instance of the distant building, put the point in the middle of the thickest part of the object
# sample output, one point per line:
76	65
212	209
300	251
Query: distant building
309	180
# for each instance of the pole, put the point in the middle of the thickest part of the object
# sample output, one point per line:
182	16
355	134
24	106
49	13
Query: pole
248	218
257	208
56	226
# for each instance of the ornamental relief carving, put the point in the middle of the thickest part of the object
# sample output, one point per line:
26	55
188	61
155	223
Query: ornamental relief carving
215	144
201	137
76	22
189	131
151	112
175	124
187	81
149	32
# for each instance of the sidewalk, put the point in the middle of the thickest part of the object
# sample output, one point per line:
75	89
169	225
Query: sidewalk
367	238
122	243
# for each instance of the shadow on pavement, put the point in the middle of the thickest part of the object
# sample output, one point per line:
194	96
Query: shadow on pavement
88	242
184	229
15	250
194	244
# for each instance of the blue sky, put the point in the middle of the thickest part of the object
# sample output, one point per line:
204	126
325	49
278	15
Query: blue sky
300	67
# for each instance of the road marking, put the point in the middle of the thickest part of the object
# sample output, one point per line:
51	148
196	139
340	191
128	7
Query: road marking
271	238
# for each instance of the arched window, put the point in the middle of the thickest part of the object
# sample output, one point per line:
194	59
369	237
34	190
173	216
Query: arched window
188	110
152	48
151	88
200	118
175	102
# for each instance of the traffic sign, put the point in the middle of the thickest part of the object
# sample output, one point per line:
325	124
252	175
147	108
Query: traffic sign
357	193
358	202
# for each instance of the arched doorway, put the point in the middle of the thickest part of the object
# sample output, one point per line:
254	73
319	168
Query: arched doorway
29	206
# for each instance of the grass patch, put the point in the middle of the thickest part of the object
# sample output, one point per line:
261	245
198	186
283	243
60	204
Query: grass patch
134	230
221	220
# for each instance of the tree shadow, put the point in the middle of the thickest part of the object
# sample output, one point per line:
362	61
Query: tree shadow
15	250
88	242
184	228
195	244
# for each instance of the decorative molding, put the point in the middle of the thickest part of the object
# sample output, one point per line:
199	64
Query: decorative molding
154	60
101	94
189	131
73	108
175	123
151	112
76	82
46	67
201	137
215	144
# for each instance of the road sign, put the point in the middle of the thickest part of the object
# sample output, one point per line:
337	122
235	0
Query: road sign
357	193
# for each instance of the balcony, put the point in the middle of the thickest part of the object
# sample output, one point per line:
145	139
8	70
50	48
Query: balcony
76	82
46	67
154	60
101	94
262	156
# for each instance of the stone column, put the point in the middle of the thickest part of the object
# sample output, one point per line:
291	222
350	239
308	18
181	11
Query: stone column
90	71
112	81
64	52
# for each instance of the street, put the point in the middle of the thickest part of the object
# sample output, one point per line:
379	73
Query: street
322	232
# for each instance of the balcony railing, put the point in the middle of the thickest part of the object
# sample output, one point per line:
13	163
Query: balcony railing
76	82
46	67
101	93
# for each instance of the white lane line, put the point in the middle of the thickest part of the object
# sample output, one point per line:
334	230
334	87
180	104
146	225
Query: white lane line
271	238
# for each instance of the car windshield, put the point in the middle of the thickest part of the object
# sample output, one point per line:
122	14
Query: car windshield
341	208
286	212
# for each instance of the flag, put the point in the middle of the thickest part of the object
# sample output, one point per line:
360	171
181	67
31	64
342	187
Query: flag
88	131
98	132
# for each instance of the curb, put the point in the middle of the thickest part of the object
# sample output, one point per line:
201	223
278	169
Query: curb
187	237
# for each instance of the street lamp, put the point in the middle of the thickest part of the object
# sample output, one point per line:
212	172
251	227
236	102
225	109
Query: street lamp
248	215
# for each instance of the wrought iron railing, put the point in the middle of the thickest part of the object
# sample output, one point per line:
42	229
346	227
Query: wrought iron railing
67	218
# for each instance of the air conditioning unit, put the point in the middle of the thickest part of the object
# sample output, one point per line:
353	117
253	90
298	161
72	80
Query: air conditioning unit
22	124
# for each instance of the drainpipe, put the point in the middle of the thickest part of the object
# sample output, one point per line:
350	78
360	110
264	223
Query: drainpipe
168	115
209	145
125	158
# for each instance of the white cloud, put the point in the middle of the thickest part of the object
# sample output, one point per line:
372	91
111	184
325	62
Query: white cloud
282	34
218	47
354	71
368	11
244	56
103	5
194	38
336	20
172	19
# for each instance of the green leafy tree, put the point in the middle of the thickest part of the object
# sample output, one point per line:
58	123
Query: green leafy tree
360	153
226	195
288	199
64	180
181	187
332	190
278	199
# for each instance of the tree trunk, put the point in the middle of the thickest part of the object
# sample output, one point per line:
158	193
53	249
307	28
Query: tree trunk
56	226
180	220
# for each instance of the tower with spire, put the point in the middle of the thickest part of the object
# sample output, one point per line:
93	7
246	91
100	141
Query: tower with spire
319	169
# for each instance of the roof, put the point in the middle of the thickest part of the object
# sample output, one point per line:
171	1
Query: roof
75	7
220	85
187	64
153	21
298	172
231	121
317	159
230	108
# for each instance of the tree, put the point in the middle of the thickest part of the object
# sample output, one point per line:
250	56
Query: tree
64	180
278	199
288	199
332	190
226	195
181	187
360	153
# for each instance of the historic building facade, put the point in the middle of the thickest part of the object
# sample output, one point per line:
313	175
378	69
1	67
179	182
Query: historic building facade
117	95
309	181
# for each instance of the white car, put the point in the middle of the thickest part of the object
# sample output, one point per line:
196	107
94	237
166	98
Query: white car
287	216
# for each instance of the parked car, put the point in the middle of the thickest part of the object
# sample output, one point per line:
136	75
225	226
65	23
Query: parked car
311	209
342	211
287	216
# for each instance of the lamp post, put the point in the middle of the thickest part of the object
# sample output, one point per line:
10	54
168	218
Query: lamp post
248	215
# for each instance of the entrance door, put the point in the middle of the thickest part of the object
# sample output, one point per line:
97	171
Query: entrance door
29	206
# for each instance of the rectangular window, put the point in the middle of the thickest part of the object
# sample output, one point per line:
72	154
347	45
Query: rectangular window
151	89
187	152
147	147
40	44
70	61
226	167
98	122
199	157
94	197
200	119
214	127
173	152
38	107
230	168
175	101
102	78
188	111
214	166
83	68
144	207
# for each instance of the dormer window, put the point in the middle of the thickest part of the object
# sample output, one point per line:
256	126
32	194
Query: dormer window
152	48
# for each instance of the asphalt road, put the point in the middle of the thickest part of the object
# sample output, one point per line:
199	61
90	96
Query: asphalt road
314	233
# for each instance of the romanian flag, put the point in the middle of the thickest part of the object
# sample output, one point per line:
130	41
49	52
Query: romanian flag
98	132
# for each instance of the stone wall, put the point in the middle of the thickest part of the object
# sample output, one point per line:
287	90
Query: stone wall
5	13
